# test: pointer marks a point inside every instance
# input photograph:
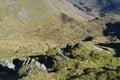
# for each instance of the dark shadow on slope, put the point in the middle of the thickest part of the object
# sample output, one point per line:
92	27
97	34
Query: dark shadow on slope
43	59
78	7
102	14
11	74
65	18
40	58
108	69
8	74
81	3
70	47
18	63
87	9
89	38
115	46
74	77
117	69
112	29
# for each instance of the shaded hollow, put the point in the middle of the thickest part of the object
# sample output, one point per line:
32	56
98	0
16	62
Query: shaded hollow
112	29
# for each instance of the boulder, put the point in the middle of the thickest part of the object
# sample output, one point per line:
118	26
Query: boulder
43	67
10	65
38	64
31	62
7	63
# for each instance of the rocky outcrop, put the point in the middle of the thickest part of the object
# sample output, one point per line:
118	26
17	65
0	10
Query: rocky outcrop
75	61
7	63
33	63
18	71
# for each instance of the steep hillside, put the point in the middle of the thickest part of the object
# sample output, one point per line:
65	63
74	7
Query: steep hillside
32	27
31	24
59	40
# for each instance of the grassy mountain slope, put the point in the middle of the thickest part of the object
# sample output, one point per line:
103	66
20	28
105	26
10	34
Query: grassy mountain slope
29	27
27	22
33	28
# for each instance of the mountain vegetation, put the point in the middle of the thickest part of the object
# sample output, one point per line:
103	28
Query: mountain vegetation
59	40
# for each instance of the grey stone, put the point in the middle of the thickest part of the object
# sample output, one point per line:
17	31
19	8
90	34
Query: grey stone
38	64
5	62
32	63
43	67
10	65
28	60
64	57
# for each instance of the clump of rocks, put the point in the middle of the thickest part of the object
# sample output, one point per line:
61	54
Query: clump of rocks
25	67
7	63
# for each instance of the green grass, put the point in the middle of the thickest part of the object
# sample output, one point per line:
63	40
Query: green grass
26	27
87	68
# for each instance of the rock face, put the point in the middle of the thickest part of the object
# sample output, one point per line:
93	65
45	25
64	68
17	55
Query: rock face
33	63
43	67
7	63
7	67
55	55
67	61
